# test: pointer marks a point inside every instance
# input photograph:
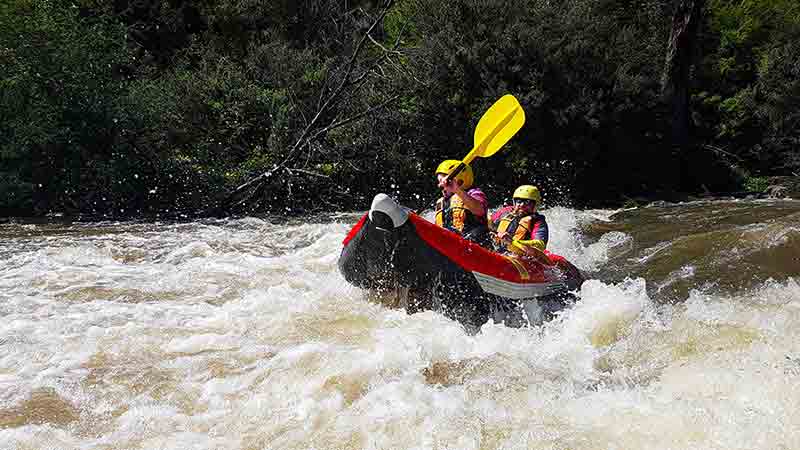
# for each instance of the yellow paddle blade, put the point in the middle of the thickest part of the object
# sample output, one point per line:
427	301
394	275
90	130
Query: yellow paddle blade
499	124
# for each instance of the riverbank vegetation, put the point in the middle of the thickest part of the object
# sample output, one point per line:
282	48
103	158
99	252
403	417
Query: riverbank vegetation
137	107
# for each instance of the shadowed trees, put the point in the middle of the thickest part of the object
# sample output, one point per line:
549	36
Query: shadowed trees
151	106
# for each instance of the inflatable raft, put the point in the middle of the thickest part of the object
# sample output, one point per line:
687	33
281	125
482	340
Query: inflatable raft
393	252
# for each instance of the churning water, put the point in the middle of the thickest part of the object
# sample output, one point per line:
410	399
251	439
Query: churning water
241	334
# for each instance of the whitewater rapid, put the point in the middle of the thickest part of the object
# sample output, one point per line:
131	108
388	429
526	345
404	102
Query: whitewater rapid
241	334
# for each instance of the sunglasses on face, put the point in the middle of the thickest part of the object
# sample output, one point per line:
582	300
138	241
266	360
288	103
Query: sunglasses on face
524	202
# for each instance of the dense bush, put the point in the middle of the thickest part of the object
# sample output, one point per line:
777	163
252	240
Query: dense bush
58	93
138	107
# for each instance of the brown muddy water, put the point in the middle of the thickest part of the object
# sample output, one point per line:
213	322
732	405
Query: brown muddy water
241	334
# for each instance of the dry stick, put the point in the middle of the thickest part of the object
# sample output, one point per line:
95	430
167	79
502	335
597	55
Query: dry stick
382	47
297	105
396	44
303	141
354	118
348	71
308	172
358	82
253	194
324	87
719	150
317	134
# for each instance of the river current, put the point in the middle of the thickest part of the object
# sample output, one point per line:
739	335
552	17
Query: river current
241	334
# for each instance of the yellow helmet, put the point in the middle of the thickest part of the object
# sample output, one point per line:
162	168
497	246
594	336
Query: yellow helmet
528	192
467	177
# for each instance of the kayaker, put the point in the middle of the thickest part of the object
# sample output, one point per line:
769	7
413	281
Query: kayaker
519	228
462	208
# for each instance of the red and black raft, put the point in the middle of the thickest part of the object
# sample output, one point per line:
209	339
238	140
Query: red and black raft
392	249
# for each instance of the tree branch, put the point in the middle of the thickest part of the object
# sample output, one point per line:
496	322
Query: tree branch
306	136
354	118
308	172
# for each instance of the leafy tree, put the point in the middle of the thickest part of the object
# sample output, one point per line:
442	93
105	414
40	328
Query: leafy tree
56	114
167	107
742	38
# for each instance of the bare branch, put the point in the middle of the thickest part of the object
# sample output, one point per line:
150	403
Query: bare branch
354	118
369	70
356	168
306	137
296	105
386	50
719	150
324	87
308	172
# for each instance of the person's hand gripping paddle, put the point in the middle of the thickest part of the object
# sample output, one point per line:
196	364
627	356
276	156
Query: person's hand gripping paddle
497	126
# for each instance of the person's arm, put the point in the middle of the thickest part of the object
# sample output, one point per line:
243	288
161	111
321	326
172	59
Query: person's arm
531	249
474	205
536	243
540	232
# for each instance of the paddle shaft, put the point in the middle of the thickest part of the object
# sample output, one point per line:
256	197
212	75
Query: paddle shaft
482	148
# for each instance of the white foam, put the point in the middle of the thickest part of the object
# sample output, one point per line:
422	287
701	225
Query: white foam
202	340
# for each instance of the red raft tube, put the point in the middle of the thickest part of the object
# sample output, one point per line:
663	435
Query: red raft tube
391	250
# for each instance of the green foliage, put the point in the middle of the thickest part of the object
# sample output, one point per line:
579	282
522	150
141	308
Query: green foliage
400	23
587	83
136	107
779	108
58	86
756	185
740	50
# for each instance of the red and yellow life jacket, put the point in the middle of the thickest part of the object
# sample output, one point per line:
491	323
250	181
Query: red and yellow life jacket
522	229
457	217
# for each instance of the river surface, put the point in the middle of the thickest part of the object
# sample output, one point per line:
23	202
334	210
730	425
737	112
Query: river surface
241	334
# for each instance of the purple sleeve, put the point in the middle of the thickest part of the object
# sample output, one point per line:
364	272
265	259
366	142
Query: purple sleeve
478	195
540	231
499	213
